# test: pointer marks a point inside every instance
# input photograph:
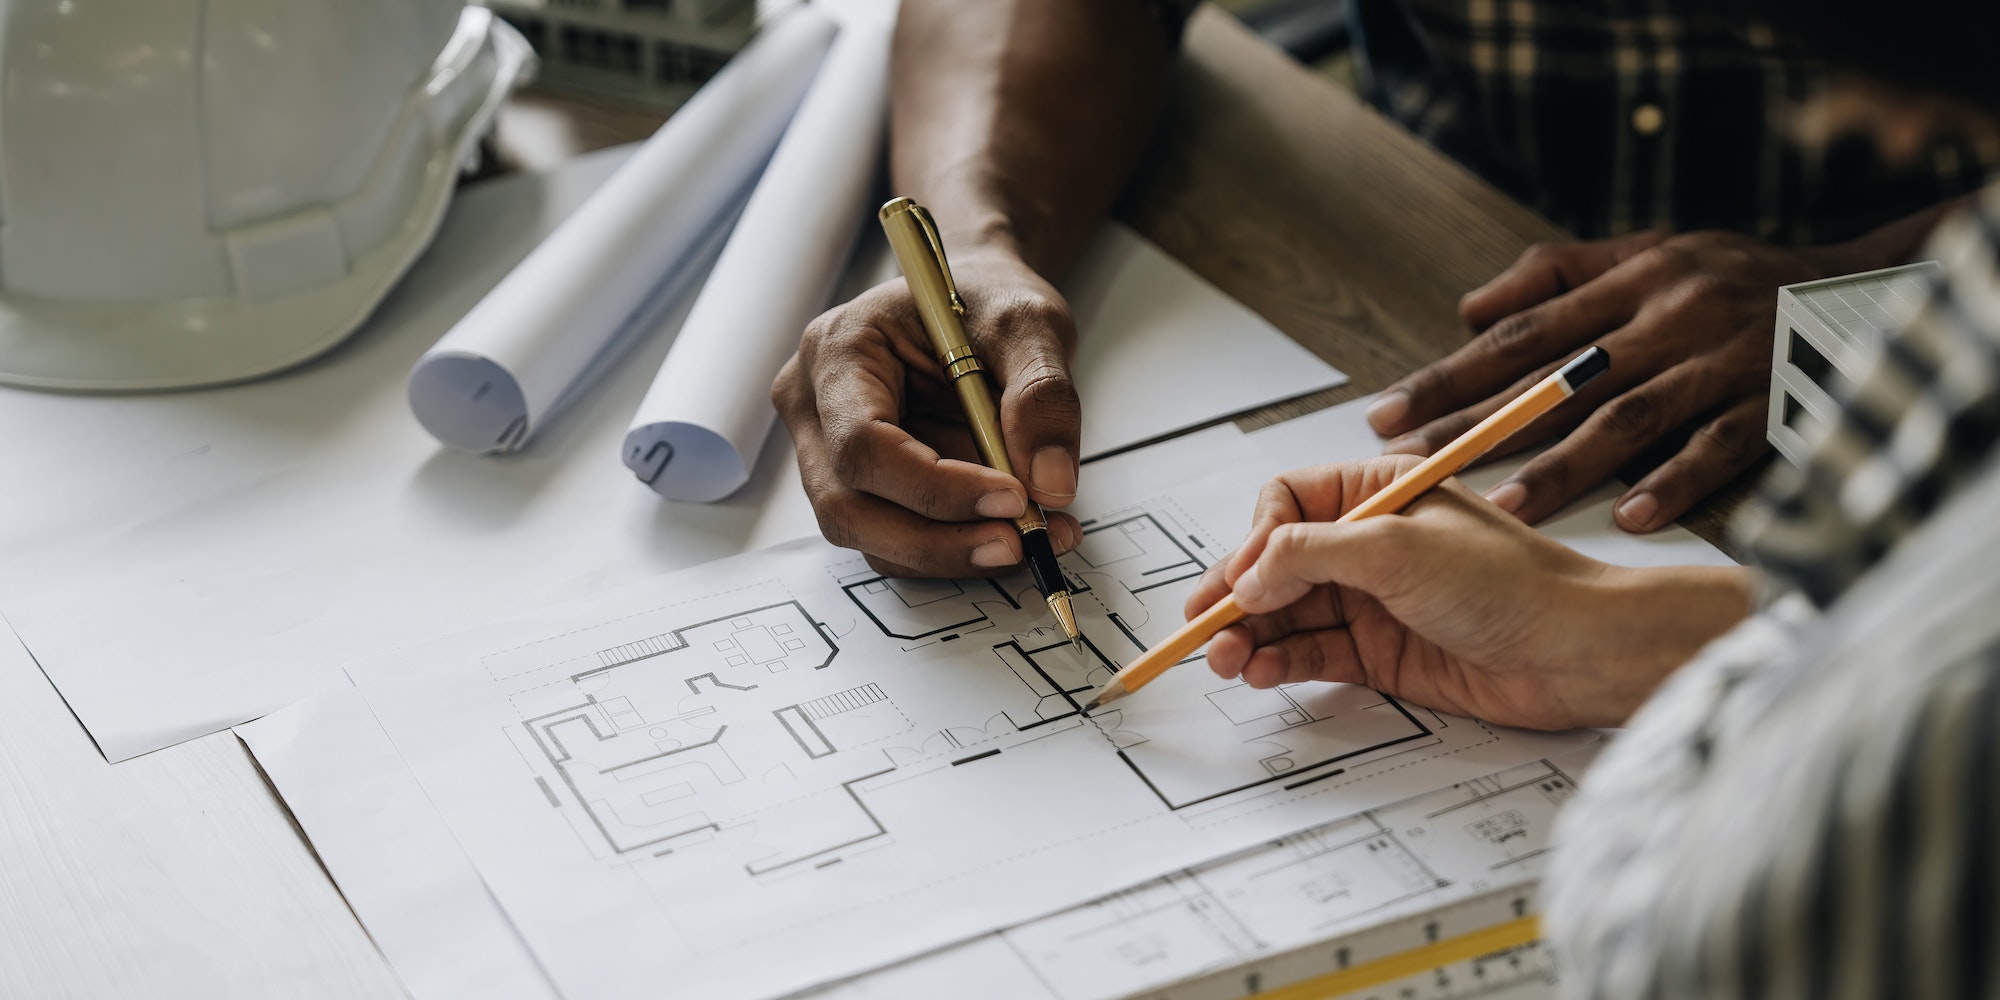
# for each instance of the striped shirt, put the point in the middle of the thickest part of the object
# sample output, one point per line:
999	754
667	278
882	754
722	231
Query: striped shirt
1612	116
1811	808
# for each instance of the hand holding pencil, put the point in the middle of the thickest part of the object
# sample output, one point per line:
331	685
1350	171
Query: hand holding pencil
1416	480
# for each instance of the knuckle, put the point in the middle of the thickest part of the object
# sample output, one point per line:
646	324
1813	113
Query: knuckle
788	390
1539	253
1285	542
1632	415
1731	437
1518	334
836	521
929	500
1552	469
1700	288
817	331
1670	256
1438	379
852	456
1030	311
1045	387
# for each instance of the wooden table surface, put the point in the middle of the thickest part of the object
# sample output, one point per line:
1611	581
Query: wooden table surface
180	873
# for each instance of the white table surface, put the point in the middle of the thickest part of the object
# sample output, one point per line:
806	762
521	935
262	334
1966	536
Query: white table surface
176	874
180	873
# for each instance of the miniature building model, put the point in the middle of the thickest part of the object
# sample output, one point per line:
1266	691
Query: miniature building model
653	52
1827	330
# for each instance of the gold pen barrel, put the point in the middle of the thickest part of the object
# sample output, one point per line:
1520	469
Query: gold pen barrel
920	254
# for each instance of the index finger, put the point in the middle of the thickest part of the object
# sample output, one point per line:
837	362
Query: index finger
1316	493
858	393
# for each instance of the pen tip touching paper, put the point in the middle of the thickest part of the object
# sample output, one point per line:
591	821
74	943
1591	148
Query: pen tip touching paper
1059	605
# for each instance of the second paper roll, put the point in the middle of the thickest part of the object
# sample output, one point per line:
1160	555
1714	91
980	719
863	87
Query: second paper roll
701	426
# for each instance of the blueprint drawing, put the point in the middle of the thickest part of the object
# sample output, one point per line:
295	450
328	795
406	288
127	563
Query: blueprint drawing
783	768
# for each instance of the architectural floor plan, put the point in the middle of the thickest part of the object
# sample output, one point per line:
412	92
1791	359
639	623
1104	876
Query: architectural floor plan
784	765
783	771
1479	836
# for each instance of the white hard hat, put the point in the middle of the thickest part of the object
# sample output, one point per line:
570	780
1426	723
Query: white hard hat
204	191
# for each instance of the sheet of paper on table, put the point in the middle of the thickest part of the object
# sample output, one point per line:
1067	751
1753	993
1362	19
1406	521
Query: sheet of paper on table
289	742
446	936
183	562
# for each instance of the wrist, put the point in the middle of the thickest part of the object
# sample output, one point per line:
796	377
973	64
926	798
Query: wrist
1898	242
1640	624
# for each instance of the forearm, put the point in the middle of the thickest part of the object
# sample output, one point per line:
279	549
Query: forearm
1016	122
1899	242
1659	618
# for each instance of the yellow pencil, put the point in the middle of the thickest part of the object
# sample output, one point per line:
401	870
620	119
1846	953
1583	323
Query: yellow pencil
1482	438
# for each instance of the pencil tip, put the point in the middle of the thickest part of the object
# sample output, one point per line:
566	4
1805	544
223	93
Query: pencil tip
1110	692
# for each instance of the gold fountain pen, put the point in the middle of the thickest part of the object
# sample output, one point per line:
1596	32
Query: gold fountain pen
920	252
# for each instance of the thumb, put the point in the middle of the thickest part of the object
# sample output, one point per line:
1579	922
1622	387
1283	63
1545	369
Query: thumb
1298	557
1040	414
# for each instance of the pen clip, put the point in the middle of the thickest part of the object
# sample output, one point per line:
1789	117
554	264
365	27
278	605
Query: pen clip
923	217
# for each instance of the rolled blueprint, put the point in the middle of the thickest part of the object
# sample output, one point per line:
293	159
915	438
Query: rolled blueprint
496	377
697	434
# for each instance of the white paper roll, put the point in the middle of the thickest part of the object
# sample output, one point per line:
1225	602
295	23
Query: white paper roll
697	434
492	381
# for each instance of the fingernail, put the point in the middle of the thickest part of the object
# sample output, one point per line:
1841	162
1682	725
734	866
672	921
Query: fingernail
1001	503
1055	472
1408	444
1508	496
993	555
1249	587
1638	511
1389	409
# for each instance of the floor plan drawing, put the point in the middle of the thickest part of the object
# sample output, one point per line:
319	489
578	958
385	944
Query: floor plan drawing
785	763
1477	836
1132	572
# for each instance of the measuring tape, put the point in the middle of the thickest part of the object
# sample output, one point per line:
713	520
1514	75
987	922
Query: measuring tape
1485	946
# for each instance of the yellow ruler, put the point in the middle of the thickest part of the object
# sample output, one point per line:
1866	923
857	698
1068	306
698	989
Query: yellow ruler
1516	933
1476	946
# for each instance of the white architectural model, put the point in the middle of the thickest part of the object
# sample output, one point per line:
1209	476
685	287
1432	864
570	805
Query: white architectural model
1826	331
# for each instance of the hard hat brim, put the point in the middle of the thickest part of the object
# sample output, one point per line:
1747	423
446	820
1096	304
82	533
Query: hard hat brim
62	344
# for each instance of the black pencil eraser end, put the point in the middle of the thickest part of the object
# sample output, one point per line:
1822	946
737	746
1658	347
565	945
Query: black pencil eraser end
1584	367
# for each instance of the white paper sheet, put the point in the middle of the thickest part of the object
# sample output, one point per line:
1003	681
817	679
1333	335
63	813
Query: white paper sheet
699	429
1013	969
781	768
427	909
495	379
1199	345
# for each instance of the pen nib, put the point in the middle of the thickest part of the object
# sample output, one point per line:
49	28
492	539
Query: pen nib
1065	616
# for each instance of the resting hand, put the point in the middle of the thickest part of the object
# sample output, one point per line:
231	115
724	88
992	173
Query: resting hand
1453	605
1687	321
883	448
